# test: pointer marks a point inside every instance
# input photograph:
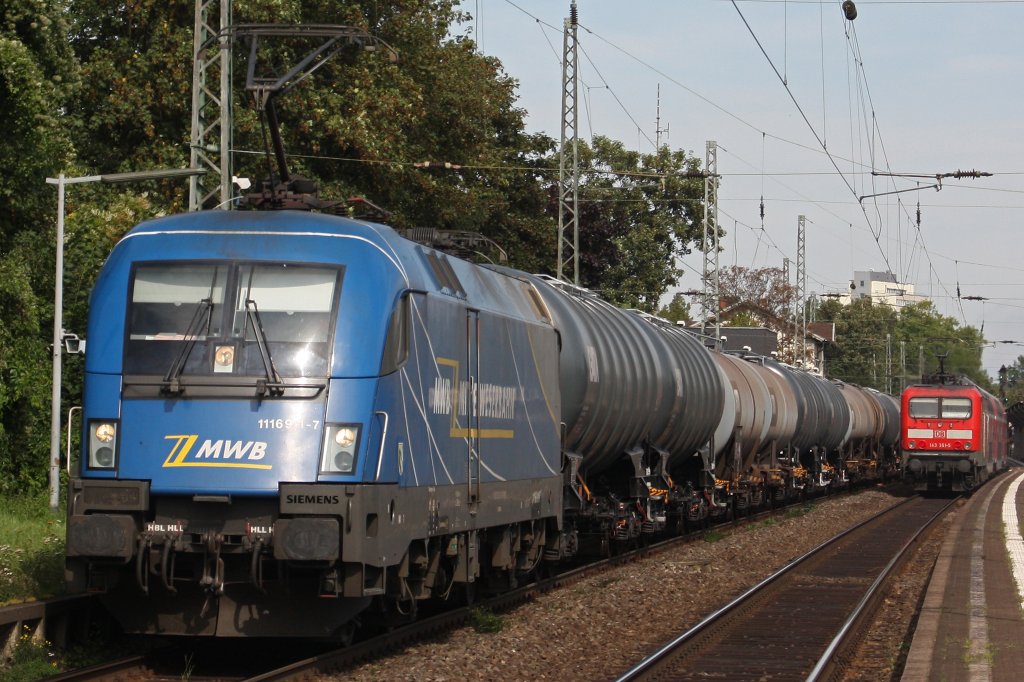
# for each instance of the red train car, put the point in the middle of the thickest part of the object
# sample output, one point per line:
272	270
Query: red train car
954	434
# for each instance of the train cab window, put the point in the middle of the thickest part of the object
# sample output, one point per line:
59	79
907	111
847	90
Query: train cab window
956	408
293	305
166	298
396	346
924	408
212	318
171	305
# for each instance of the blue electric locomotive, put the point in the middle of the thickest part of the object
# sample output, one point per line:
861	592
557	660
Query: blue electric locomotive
288	414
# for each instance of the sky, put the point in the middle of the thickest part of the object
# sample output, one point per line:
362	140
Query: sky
805	106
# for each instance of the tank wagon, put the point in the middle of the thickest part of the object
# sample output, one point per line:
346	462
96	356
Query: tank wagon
785	430
872	440
296	423
955	434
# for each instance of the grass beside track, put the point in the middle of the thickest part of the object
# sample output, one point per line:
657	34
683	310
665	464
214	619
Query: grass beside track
31	549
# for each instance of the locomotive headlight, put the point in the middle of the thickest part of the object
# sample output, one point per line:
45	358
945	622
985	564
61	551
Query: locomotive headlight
911	445
102	445
346	436
340	446
967	445
105	432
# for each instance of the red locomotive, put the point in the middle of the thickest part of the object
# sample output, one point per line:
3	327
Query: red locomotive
954	434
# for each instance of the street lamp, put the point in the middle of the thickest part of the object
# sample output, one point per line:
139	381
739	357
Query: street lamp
58	298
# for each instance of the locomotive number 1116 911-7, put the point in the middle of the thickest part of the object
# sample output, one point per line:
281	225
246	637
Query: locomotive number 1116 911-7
287	424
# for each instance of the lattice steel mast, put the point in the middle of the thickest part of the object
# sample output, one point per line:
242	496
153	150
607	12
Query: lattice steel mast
710	297
210	141
800	320
568	167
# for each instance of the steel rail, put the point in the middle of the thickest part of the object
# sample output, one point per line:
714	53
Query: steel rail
829	659
646	665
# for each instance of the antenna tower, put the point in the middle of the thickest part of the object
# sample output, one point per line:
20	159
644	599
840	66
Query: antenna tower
569	167
210	141
658	130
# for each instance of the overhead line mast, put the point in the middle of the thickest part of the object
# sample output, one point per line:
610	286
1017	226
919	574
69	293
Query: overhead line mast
210	140
569	166
800	320
711	295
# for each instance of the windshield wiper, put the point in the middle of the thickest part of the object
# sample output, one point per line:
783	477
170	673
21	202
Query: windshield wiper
172	383
273	380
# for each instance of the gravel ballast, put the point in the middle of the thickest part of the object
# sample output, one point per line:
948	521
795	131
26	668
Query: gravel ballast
601	626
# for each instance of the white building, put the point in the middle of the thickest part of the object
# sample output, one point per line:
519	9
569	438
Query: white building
881	288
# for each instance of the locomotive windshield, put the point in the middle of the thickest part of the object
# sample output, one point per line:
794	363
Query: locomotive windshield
936	408
212	319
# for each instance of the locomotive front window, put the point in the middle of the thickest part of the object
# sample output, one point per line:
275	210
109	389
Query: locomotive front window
924	408
293	306
213	318
165	300
936	408
956	408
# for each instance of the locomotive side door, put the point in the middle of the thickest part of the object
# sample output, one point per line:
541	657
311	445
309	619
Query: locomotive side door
472	407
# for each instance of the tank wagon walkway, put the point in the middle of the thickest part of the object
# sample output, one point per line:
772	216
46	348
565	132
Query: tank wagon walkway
971	625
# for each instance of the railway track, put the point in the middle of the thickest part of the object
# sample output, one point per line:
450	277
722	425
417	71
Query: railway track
799	623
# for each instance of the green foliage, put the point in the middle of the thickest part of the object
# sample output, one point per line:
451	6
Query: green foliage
32	549
677	310
713	535
137	59
638	212
798	511
745	319
859	354
486	621
936	334
24	368
31	659
37	74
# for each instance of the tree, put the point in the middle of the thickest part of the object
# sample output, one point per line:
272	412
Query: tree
360	126
37	74
932	334
677	310
638	213
762	289
1012	381
859	353
873	339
